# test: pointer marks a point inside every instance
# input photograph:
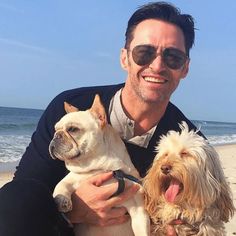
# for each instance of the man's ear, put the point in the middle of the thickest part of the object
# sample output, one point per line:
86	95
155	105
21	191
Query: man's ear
124	58
98	110
185	69
70	108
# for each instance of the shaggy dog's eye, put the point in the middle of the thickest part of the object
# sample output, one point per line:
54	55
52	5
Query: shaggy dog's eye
72	129
184	153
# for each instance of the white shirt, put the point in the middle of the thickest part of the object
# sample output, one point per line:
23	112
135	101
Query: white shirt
124	125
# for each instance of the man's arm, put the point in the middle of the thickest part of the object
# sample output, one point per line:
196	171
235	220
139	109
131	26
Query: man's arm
92	203
36	162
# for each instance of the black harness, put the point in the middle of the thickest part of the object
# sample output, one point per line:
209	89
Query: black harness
120	176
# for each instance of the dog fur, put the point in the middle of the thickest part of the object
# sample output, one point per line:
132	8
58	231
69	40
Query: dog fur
89	145
186	182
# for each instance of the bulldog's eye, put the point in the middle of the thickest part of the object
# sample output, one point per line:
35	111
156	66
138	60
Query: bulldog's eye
72	129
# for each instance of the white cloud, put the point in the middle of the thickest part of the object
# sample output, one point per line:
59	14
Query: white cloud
10	8
23	45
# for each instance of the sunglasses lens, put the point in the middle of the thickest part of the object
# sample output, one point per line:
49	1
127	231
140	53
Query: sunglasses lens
143	54
174	58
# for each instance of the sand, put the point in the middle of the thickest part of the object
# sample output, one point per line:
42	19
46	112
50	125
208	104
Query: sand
228	159
227	155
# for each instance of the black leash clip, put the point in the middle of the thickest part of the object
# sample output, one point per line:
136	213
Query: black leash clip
120	175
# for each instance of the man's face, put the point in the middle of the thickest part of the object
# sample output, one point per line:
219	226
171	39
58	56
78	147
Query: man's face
154	82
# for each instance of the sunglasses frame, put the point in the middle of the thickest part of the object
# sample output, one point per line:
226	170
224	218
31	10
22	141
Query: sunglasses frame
145	54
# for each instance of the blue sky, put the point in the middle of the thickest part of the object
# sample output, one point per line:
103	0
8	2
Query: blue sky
49	46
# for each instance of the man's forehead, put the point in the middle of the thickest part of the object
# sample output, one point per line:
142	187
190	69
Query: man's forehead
153	31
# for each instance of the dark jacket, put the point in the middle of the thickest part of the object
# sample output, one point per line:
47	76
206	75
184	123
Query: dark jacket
36	163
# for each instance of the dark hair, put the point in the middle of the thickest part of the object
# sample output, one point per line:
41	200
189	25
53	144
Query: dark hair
166	12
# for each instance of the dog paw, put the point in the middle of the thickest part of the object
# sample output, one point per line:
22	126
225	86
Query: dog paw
64	204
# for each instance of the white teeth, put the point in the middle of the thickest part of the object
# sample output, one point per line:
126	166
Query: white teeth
155	80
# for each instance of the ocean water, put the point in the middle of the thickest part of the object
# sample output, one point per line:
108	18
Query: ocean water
17	125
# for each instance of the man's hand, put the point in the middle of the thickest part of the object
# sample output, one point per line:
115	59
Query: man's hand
171	231
170	228
92	203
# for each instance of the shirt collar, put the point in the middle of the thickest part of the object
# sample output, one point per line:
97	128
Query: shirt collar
124	125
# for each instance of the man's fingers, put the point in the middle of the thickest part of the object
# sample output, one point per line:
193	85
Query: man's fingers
170	231
116	221
116	212
99	179
128	193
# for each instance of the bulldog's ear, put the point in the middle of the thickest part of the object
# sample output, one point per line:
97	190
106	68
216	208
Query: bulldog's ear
98	110
69	108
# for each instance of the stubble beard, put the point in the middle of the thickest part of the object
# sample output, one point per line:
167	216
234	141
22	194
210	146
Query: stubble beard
146	96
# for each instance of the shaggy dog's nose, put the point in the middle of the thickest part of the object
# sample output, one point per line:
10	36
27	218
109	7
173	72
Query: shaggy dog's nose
166	169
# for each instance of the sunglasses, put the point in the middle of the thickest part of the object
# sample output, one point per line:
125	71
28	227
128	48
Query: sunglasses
172	57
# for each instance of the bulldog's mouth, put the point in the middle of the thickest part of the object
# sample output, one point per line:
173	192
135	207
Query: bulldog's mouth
63	155
52	151
171	187
74	157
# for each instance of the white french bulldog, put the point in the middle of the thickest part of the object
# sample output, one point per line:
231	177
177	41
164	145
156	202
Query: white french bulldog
89	145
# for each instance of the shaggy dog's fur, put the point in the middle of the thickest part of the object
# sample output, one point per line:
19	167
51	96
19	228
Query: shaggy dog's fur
186	182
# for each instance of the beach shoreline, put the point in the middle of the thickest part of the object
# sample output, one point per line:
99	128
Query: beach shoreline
227	155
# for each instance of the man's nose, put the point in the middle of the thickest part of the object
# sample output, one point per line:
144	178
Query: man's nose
157	64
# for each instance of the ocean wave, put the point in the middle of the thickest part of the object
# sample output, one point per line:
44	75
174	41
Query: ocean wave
222	139
12	147
17	126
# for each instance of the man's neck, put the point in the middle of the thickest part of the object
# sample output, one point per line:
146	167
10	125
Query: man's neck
145	115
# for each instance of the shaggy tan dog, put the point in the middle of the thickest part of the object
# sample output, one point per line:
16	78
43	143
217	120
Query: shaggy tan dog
186	182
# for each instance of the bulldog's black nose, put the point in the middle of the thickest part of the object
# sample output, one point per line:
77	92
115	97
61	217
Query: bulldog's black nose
166	169
58	135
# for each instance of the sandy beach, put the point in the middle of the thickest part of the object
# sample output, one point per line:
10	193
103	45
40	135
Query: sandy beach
227	155
228	159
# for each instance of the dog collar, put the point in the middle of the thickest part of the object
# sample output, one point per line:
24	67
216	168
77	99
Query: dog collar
120	176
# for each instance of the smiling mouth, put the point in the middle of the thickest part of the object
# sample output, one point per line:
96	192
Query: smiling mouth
171	188
154	80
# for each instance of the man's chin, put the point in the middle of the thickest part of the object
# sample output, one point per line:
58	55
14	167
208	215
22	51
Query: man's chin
152	97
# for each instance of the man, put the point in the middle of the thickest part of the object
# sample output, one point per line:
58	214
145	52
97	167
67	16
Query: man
156	58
